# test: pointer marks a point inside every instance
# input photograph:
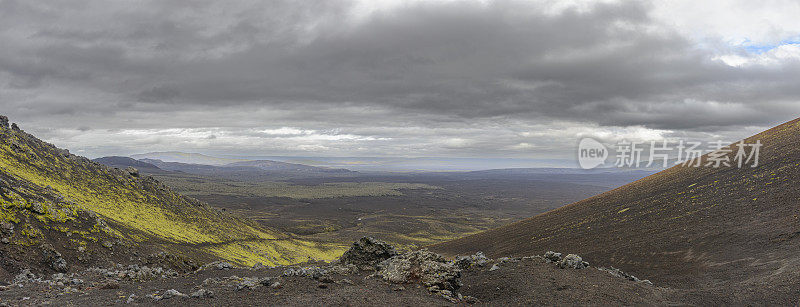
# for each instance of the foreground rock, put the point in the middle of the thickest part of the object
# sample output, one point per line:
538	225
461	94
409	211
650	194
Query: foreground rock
573	261
202	293
466	262
53	258
417	278
552	256
619	273
367	252
429	268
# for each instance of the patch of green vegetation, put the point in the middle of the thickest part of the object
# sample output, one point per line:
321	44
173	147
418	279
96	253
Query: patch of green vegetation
29	236
276	252
140	206
7	215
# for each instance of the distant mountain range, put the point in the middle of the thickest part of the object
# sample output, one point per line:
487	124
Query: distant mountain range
253	170
426	164
174	160
269	165
124	162
193	162
249	170
381	164
184	157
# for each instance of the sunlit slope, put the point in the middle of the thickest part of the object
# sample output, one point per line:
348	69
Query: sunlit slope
146	211
724	228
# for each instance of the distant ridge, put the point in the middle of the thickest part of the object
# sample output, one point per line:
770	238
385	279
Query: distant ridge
124	162
269	165
184	157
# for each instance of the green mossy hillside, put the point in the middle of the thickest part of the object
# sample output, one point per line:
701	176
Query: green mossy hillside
140	210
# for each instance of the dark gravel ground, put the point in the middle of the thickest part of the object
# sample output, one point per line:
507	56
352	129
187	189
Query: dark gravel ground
528	281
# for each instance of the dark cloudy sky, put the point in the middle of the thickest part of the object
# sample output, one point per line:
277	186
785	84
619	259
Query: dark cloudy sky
519	79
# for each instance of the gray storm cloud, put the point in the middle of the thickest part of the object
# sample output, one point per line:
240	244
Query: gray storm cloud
424	78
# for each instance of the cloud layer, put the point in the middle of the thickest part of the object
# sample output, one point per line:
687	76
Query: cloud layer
385	78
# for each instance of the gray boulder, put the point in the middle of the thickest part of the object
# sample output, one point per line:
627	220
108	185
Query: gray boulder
312	272
53	258
219	265
248	283
552	256
170	294
573	261
423	266
37	208
132	171
202	293
466	262
7	227
60	265
25	276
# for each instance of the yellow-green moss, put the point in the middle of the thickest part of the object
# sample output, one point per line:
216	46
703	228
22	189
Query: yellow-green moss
148	212
278	252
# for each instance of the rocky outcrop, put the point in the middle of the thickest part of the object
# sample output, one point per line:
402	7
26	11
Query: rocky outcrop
132	171
619	273
367	252
37	207
310	272
552	256
53	258
171	293
466	262
219	265
202	293
573	261
428	268
134	272
7	228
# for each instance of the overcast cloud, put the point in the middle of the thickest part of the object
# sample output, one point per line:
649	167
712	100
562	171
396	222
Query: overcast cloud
394	78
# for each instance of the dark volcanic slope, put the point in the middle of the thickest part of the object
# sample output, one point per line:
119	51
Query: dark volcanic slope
728	234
